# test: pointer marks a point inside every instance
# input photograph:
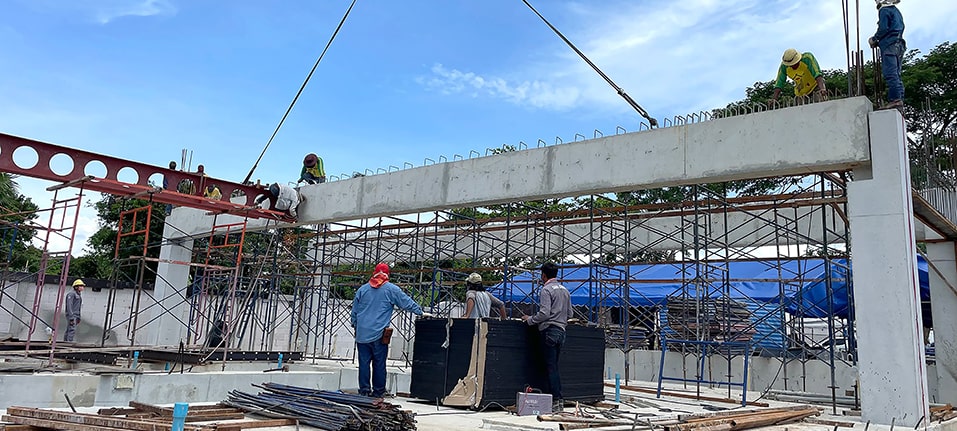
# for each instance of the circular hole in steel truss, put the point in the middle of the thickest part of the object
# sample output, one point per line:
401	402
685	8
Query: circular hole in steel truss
95	168
61	164
127	175
238	196
186	186
156	179
25	157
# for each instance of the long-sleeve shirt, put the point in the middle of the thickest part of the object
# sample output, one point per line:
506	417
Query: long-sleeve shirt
73	304
555	306
316	171
890	27
372	309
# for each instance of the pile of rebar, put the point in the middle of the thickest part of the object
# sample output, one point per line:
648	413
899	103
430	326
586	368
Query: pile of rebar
333	411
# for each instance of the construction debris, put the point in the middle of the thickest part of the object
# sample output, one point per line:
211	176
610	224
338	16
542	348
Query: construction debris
684	395
142	417
333	411
743	420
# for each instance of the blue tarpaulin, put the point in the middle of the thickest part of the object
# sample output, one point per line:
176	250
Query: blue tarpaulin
802	285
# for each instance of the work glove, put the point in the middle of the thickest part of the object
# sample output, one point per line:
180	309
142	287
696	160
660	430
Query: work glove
426	316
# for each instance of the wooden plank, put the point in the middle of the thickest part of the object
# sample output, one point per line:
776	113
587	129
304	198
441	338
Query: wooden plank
57	425
18	427
266	423
829	422
698	417
162	411
690	396
92	419
215	416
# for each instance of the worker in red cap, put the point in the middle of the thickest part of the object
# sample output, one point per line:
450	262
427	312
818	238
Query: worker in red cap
371	314
312	170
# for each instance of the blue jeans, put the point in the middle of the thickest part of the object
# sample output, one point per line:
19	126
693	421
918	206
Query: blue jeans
891	59
374	353
553	338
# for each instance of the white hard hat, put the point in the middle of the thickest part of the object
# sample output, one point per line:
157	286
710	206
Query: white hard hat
882	3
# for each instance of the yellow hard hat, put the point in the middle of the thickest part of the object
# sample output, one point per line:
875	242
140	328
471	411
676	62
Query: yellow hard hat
791	57
78	282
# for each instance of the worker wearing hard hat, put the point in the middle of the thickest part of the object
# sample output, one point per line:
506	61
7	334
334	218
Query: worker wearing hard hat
804	71
73	303
312	170
890	39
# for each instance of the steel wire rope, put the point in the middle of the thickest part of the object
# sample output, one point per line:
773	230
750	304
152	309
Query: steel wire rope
299	93
621	92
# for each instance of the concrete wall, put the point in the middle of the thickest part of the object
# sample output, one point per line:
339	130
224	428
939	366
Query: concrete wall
47	390
15	319
807	376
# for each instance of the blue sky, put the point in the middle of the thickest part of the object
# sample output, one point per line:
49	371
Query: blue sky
404	80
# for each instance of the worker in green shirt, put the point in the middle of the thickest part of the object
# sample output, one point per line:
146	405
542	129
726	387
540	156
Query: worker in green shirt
312	170
804	71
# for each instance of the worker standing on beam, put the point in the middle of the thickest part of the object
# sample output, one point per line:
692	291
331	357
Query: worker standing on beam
287	198
804	71
890	39
312	170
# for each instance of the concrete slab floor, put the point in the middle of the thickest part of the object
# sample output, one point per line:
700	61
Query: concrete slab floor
432	418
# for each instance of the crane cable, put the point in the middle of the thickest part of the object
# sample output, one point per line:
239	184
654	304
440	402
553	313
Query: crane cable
642	112
301	88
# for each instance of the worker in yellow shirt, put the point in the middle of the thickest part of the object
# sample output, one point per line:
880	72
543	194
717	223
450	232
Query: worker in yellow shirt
804	71
212	192
312	170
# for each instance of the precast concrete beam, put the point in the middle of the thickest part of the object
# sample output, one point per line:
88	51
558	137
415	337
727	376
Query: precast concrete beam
811	138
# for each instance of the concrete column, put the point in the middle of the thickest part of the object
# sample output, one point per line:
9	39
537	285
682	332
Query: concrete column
943	299
891	361
171	281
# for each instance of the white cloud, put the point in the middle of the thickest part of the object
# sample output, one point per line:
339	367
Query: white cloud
681	57
111	10
106	11
537	94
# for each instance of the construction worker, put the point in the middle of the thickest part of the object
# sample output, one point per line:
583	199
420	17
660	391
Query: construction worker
212	192
555	308
804	71
478	302
312	170
287	198
371	313
890	39
74	301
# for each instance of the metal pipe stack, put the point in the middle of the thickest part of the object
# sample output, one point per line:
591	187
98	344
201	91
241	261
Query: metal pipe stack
327	410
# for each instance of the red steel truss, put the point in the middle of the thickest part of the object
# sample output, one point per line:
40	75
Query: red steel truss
244	195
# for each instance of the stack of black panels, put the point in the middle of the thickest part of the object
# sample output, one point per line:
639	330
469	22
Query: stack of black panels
513	361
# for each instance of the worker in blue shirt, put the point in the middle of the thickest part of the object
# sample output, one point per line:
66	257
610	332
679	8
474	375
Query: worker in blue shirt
890	39
371	314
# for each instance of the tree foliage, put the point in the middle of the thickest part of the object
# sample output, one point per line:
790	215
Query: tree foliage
17	212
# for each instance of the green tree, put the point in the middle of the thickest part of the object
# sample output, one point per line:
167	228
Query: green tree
17	214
